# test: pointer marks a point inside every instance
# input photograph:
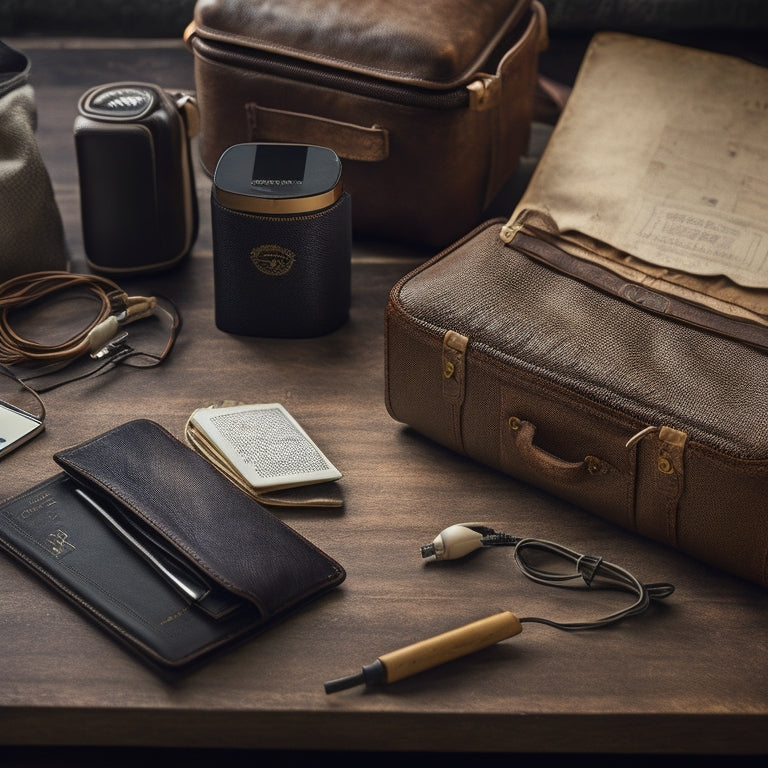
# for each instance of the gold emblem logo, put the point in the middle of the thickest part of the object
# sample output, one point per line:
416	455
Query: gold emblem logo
58	543
272	260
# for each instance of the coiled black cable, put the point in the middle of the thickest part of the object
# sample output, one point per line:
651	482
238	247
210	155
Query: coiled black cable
593	571
588	570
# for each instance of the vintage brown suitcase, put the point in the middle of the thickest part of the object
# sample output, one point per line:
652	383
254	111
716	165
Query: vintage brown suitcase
428	105
632	389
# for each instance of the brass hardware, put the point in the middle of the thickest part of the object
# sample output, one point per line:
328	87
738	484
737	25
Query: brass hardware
665	465
448	369
514	423
484	93
508	231
640	435
593	464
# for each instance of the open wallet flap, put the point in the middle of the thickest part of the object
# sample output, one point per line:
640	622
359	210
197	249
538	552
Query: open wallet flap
157	546
660	179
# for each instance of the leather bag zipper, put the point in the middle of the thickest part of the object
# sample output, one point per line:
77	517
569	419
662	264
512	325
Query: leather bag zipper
411	96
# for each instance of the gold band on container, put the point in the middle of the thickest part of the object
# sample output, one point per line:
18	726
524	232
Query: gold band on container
277	206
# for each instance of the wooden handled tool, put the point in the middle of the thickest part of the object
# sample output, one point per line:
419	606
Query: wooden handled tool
431	652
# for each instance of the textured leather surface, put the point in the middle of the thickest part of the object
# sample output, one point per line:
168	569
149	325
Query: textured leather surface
559	377
639	292
589	342
443	165
310	298
137	190
183	498
428	43
53	532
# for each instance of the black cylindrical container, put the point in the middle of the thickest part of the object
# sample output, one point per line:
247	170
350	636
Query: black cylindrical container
282	240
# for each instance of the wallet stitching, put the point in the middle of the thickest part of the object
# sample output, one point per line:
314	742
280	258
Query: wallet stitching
161	530
155	526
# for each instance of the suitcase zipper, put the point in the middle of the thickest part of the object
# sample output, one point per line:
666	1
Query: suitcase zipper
360	85
539	241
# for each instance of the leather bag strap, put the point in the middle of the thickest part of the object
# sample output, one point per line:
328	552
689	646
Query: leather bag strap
349	141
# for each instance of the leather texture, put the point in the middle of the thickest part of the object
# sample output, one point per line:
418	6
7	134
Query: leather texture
137	189
428	44
309	296
31	230
426	144
178	500
559	377
637	292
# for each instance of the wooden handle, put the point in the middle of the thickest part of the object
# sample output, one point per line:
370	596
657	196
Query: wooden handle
450	645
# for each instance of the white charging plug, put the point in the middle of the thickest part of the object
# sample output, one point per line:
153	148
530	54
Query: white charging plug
455	541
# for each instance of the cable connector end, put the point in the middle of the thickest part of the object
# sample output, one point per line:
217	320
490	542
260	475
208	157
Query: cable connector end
100	336
452	543
137	307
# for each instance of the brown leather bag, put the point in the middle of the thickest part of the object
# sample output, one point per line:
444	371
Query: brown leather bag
633	390
428	105
656	425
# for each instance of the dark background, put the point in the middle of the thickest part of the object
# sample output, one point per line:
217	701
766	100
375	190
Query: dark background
737	27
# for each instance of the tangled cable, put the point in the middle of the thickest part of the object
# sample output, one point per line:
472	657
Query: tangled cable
98	336
459	540
26	289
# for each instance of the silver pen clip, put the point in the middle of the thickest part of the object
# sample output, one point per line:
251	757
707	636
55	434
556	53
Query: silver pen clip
182	582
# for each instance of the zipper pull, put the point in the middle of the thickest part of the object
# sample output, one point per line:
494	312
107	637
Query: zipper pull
533	221
512	227
508	231
484	92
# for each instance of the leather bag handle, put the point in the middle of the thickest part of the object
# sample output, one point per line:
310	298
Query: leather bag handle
348	141
555	468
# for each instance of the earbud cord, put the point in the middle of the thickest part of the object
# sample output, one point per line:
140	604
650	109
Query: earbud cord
592	571
97	338
120	353
26	289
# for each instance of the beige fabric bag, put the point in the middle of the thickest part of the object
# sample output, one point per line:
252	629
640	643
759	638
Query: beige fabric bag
31	230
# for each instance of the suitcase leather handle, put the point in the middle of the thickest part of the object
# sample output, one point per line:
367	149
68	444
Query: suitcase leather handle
552	466
348	141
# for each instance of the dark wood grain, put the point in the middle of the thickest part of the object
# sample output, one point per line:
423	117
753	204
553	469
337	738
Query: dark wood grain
688	677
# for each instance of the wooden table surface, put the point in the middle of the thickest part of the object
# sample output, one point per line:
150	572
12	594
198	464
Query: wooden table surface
687	677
